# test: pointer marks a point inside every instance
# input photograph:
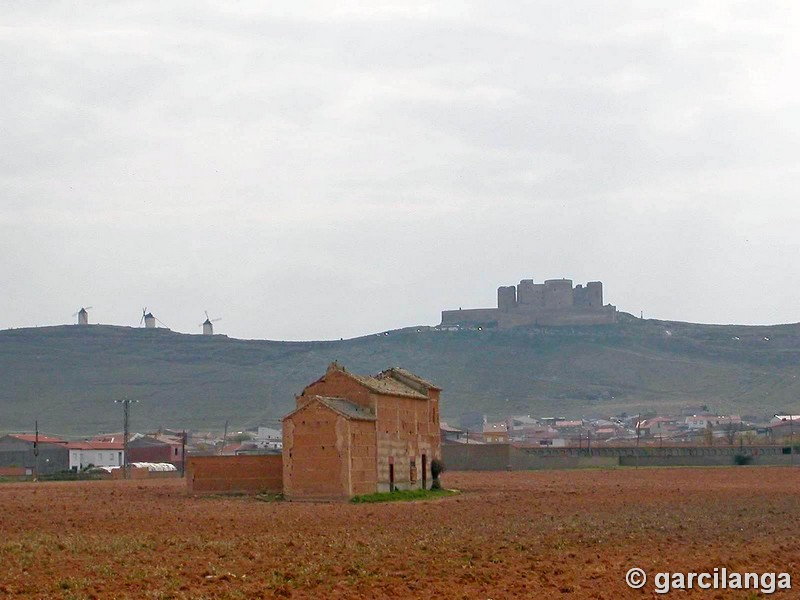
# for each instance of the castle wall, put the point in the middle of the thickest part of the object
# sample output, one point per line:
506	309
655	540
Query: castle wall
538	295
555	318
470	316
580	297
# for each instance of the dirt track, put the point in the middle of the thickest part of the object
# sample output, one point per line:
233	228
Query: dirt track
567	534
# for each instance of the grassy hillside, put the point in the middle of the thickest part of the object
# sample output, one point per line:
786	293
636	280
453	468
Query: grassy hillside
67	377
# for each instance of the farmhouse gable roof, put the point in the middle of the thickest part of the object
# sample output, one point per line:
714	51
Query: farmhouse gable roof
343	407
380	385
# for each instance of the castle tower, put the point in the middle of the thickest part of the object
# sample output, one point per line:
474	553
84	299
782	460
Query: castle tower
506	298
525	292
529	294
594	292
558	294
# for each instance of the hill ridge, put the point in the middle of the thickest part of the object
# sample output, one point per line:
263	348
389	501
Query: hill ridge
67	376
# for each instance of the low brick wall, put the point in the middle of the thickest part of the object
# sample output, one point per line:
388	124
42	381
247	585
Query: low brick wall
17	472
234	474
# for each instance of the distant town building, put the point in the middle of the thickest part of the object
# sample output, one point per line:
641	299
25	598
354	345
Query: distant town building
95	454
148	449
176	445
785	419
49	455
267	437
451	434
660	426
711	421
495	433
788	430
552	303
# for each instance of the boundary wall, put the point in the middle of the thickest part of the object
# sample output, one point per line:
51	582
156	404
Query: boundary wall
506	457
244	474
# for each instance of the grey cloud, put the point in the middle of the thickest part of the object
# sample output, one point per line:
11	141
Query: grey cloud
353	168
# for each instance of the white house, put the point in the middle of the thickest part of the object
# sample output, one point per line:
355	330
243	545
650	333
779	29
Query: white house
268	438
786	418
711	421
97	454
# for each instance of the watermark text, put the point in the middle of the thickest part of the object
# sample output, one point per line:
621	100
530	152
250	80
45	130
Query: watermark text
718	579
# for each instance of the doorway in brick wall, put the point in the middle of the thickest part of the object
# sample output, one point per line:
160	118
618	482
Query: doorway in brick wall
424	472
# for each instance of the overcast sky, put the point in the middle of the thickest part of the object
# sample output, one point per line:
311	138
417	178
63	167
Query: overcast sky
332	169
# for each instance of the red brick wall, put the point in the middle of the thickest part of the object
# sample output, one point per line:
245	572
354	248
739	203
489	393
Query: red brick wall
316	453
12	471
234	474
407	429
363	458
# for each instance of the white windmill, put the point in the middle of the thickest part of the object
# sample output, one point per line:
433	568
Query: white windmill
83	315
148	319
208	324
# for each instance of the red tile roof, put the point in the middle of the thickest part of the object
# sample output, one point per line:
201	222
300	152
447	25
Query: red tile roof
95	445
43	439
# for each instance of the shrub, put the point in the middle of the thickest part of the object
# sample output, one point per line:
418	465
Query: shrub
437	468
742	459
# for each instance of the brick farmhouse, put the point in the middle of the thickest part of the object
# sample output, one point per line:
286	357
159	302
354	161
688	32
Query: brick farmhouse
354	434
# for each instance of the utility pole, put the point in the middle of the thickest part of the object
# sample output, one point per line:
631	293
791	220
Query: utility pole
791	439
183	454
224	437
126	403
36	452
638	430
638	433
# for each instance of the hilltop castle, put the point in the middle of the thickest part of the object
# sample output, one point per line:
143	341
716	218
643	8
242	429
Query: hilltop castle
554	302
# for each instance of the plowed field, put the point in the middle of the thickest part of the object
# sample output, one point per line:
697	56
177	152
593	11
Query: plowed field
566	534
